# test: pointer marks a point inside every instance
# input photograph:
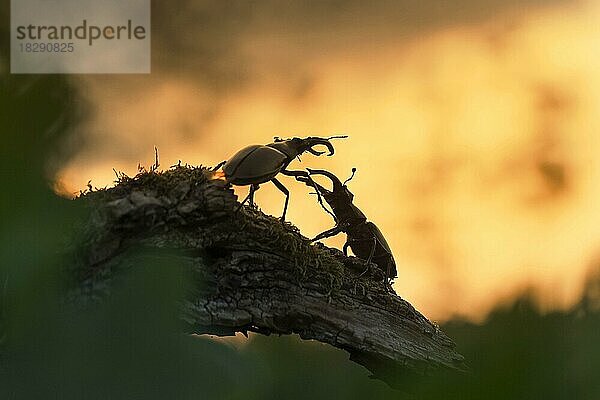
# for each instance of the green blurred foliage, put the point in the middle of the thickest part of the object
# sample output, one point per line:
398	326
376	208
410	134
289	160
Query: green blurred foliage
131	346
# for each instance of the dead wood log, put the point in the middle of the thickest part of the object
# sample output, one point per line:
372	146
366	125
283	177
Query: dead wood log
256	274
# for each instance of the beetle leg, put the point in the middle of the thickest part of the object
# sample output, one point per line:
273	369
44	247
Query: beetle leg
253	188
372	250
304	176
250	196
365	271
243	201
370	257
328	233
345	248
287	196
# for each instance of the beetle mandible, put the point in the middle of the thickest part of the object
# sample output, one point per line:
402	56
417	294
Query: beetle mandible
257	164
364	238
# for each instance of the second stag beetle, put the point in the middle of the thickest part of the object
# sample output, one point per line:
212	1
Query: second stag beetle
257	164
364	238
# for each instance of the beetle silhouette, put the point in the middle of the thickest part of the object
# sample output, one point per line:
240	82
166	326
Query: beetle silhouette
257	164
364	238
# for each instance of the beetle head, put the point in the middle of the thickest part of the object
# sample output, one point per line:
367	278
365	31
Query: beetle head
296	146
339	196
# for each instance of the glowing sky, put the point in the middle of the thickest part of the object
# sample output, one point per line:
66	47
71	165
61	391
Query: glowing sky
477	144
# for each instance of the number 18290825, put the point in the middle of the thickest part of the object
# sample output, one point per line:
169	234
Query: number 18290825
42	47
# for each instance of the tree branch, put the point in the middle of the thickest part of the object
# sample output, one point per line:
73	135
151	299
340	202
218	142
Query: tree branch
256	274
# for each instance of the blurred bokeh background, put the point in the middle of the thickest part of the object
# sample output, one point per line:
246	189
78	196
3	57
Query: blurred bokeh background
473	126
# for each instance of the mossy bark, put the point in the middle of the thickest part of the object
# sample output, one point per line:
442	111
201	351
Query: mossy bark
255	273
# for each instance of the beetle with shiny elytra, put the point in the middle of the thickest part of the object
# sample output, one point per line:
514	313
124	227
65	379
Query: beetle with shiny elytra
257	164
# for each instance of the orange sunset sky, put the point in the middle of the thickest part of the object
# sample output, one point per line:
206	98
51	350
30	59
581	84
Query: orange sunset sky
474	128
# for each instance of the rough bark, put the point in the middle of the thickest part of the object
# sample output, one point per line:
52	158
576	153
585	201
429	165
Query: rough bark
256	274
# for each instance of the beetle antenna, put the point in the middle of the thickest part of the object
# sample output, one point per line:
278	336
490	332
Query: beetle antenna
337	137
351	176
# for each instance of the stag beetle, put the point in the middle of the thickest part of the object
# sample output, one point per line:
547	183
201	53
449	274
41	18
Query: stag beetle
257	164
364	238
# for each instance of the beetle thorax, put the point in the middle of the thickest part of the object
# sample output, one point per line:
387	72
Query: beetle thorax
344	210
287	147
